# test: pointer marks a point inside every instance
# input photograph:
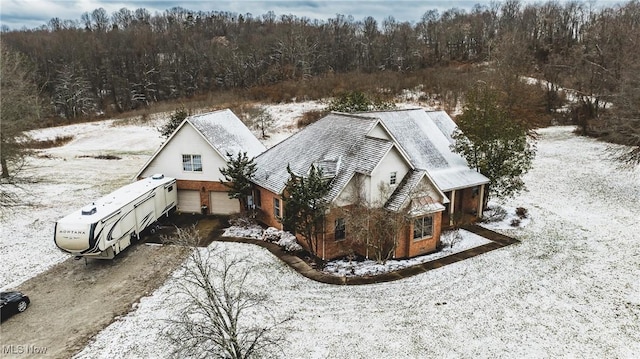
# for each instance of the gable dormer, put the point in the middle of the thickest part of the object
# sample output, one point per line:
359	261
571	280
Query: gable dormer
328	167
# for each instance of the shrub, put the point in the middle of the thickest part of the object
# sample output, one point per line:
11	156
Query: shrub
515	222
242	221
271	234
451	238
357	101
286	240
310	117
522	212
495	214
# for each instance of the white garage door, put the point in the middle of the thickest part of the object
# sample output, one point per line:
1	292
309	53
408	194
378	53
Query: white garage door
188	201
222	204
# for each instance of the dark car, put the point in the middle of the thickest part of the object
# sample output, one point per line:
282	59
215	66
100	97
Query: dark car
12	303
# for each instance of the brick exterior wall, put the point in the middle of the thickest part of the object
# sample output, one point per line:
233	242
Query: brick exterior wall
264	210
466	203
470	198
408	248
332	248
329	247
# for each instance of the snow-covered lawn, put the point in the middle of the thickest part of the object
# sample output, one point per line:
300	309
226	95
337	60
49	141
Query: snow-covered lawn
570	289
68	180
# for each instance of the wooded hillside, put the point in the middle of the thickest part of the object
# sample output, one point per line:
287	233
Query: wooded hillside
129	59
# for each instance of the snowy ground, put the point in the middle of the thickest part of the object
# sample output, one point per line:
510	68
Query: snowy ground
285	119
67	181
455	242
348	268
570	289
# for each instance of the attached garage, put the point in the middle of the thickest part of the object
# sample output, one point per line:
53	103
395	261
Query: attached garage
220	203
189	201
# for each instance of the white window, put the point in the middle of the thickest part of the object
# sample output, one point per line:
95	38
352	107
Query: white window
393	178
192	163
257	199
276	207
422	228
340	230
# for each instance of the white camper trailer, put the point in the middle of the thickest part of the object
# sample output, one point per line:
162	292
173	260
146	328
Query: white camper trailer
110	224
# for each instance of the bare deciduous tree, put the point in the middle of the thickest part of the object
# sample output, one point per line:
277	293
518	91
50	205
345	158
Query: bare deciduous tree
371	225
72	96
19	109
260	119
224	316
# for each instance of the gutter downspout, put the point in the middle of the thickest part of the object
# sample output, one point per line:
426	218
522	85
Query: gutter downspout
324	227
481	202
452	206
366	250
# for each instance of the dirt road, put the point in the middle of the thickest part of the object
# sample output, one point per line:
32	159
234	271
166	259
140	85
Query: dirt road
71	302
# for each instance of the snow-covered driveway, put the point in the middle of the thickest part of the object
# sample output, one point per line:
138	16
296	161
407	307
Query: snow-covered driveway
68	177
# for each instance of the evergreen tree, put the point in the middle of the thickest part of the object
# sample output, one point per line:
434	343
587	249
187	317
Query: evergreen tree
174	121
238	173
357	101
305	205
493	143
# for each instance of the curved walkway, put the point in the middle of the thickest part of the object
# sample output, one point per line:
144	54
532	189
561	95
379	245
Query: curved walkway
497	241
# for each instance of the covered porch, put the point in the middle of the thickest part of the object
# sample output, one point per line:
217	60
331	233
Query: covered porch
465	206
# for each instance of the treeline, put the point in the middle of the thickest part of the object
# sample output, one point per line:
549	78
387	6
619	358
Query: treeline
129	59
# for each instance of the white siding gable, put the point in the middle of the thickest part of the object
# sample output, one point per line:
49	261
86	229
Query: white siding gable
349	194
393	161
187	141
379	132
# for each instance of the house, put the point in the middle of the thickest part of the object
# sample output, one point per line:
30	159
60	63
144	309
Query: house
193	155
397	160
426	137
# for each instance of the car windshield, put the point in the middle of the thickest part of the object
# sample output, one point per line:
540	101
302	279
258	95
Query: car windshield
7	295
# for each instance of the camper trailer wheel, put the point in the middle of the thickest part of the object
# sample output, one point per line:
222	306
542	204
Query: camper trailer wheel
155	228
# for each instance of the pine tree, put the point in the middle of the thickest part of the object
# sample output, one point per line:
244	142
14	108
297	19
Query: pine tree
174	121
237	175
492	142
305	205
357	101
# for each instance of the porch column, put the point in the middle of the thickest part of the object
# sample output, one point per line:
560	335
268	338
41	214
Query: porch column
452	204
481	201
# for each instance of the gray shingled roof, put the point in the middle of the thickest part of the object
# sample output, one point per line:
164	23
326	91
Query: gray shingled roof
225	132
423	136
335	136
222	130
404	190
444	122
419	205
